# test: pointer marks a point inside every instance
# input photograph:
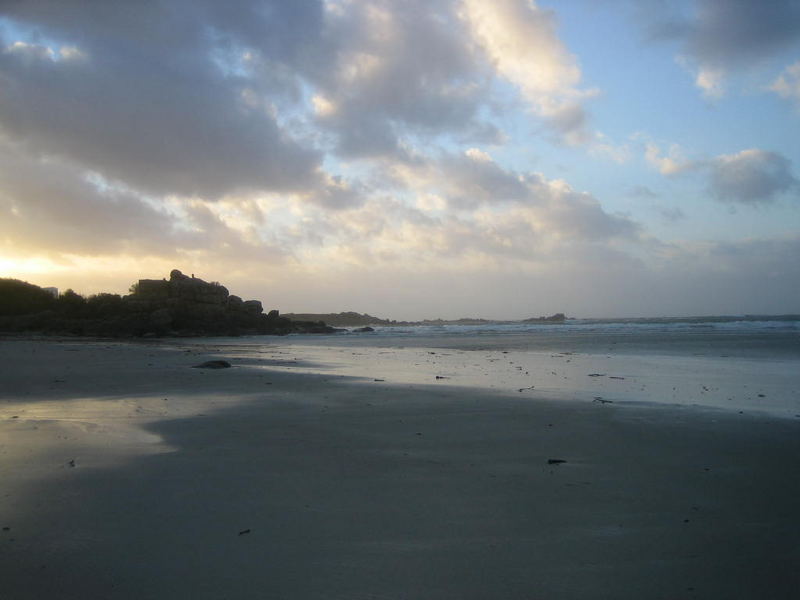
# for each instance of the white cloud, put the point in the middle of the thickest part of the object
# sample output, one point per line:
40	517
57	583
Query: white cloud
787	85
673	163
711	81
521	41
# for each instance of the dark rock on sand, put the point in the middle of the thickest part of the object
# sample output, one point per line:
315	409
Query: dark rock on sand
213	364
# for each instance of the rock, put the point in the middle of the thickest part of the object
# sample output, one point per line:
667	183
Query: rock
363	329
213	364
253	307
555	461
161	318
312	327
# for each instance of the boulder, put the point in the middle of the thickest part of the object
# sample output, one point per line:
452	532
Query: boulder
213	364
253	307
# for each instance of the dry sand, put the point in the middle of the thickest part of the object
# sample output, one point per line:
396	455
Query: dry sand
312	472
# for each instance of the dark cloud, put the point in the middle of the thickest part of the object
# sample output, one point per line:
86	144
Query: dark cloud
142	96
338	194
47	203
721	35
670	213
398	70
51	206
474	179
642	192
751	177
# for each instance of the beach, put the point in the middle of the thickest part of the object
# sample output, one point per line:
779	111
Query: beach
325	468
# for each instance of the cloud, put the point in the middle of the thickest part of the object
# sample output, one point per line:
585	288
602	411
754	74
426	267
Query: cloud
503	211
673	163
46	203
395	71
139	95
720	37
51	208
642	192
520	39
787	85
751	177
670	213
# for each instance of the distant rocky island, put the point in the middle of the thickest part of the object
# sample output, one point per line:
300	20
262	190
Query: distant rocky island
182	305
354	319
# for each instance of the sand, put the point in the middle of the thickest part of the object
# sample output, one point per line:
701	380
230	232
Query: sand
329	472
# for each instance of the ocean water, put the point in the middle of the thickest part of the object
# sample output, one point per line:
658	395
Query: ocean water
719	336
745	364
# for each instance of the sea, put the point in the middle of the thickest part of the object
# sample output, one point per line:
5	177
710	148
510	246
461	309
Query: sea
747	364
748	336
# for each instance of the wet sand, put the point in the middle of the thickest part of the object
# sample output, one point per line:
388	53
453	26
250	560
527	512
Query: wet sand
311	472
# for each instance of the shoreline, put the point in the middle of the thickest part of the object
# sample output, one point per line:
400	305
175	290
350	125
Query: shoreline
300	475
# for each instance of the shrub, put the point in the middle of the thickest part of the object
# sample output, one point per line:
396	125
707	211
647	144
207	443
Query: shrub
23	298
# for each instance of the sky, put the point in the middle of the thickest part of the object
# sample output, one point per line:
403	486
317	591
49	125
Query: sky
409	158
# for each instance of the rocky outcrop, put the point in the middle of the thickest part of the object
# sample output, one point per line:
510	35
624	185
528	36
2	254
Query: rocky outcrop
188	305
182	305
